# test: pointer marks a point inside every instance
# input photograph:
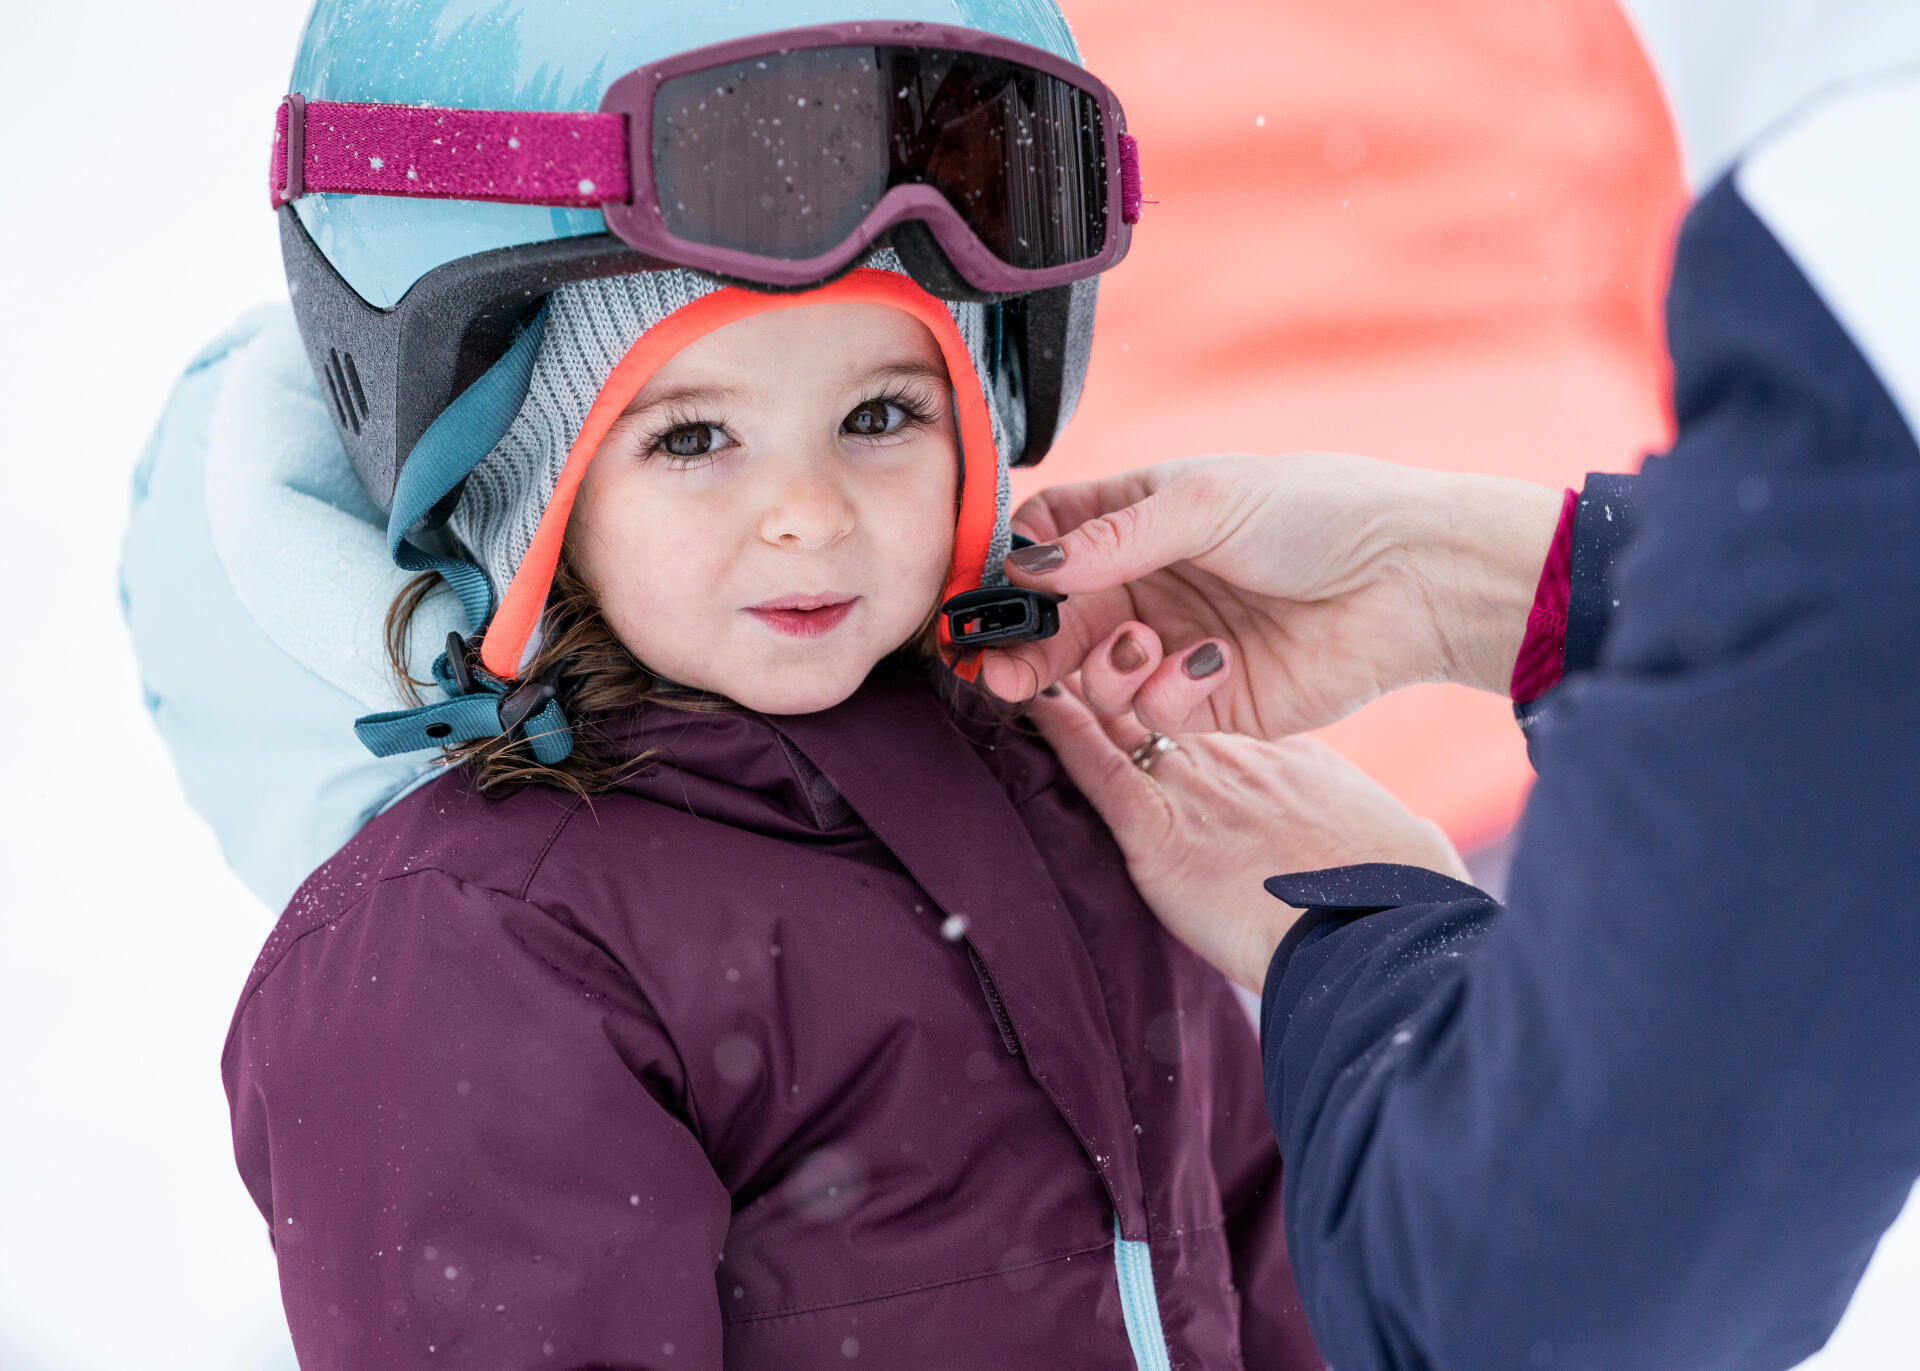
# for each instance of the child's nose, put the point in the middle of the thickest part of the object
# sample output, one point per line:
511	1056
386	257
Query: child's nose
806	509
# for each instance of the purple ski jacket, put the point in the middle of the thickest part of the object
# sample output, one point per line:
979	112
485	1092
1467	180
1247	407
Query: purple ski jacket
825	1040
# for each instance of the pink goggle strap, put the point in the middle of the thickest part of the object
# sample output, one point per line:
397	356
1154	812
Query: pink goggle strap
1131	196
576	161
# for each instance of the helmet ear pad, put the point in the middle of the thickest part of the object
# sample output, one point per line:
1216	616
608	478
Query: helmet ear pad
388	373
1041	331
1038	337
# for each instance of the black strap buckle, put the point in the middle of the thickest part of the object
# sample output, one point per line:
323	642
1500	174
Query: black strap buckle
518	702
1001	614
459	665
528	698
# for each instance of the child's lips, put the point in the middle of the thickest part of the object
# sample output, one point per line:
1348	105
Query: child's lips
804	616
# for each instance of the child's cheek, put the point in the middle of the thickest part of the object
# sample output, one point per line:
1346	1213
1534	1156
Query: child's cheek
659	573
677	564
918	524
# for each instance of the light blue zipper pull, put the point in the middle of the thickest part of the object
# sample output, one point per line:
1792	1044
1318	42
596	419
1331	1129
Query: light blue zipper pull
1139	1304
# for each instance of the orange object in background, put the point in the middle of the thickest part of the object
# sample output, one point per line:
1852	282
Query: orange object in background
1433	231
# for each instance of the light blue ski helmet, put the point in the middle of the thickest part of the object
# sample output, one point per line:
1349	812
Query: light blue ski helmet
528	55
403	302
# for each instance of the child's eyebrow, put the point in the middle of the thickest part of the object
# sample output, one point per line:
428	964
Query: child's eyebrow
684	396
935	372
691	397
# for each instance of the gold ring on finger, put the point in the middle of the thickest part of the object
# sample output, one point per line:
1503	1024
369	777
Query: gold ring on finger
1152	748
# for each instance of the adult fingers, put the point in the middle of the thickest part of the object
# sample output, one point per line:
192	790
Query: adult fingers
1019	672
1130	674
1123	728
1101	767
1117	668
1047	513
1173	696
1126	732
1173	524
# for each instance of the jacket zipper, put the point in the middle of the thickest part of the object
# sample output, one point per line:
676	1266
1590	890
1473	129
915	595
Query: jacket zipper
1000	1017
1132	1262
1140	1303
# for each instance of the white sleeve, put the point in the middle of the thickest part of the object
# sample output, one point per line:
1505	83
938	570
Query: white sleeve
1840	188
1732	69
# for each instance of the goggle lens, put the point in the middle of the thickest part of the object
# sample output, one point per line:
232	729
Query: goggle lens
811	139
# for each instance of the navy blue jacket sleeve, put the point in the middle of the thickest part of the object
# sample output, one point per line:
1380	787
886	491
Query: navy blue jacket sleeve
1604	520
1657	1112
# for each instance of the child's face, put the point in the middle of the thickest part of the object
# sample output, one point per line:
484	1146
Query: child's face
774	513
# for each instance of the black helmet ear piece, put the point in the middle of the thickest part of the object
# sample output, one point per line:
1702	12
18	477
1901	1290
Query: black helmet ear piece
1037	337
388	373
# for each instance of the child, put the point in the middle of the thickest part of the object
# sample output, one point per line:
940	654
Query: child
751	993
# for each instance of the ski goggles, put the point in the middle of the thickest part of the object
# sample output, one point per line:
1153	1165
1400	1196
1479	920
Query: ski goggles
1016	161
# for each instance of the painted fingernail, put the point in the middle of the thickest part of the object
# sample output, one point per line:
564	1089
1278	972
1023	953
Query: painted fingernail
1038	558
1204	660
1126	655
1052	692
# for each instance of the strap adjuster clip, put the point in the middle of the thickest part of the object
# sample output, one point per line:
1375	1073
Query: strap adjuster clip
459	667
529	698
293	181
1001	614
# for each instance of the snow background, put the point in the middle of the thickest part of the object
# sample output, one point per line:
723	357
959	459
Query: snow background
134	228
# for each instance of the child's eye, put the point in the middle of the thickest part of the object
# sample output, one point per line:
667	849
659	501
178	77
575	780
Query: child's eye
875	417
688	442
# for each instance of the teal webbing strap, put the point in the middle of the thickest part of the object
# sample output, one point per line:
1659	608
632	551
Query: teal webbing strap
1139	1304
463	719
549	735
447	453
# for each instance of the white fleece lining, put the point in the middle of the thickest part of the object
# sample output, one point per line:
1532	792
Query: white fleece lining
302	545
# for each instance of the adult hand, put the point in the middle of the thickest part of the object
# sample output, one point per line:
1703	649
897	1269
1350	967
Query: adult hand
1268	595
1223	812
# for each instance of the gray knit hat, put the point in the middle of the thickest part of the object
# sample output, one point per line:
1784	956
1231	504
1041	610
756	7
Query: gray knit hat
590	326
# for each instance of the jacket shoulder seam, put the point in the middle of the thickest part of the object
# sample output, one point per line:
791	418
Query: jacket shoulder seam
546	848
261	972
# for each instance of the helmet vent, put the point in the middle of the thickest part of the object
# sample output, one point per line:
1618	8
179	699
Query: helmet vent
349	396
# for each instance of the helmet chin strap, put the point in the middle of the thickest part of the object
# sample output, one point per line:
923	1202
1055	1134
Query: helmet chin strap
479	705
